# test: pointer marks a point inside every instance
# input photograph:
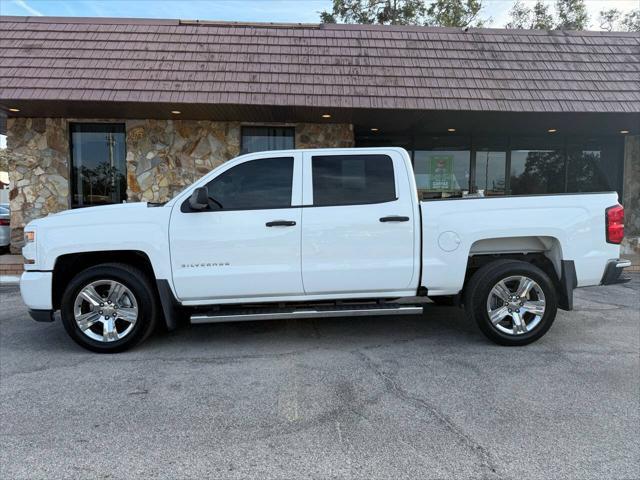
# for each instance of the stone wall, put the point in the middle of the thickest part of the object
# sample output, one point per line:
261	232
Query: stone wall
163	156
38	170
631	195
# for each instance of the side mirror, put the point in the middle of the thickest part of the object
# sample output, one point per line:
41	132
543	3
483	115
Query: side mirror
199	199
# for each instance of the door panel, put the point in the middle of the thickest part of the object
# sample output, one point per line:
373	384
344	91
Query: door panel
357	248
242	251
234	254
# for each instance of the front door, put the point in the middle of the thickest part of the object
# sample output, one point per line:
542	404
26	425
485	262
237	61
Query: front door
359	225
247	244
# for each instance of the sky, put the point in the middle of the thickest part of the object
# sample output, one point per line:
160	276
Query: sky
304	11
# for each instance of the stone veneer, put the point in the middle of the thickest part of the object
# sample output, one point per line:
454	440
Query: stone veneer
163	156
631	197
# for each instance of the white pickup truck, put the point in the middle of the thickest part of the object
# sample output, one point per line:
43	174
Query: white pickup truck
317	233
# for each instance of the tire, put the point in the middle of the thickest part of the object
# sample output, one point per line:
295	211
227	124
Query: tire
443	300
137	297
526	318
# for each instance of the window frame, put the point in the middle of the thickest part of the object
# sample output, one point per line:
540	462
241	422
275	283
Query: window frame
72	180
296	184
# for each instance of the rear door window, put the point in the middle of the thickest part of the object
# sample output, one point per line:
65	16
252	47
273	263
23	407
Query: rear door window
352	179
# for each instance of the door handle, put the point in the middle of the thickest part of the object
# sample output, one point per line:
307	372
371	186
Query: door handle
280	223
394	218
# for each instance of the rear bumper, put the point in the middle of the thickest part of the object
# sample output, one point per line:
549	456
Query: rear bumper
35	288
613	271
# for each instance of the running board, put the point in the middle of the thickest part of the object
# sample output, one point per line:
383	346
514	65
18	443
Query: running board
242	315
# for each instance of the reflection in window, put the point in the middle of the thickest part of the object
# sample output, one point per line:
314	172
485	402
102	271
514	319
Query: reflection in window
590	171
537	171
441	173
490	172
260	139
98	164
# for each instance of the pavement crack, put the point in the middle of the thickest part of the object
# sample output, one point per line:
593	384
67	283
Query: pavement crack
484	455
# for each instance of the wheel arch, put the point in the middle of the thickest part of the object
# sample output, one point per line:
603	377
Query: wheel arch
68	266
543	251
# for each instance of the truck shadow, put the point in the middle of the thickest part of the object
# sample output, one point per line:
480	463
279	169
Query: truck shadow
438	324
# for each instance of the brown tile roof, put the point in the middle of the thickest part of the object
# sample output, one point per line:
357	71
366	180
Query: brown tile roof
335	66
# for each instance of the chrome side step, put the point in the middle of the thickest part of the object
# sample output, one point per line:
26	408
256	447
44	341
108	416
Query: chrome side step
243	315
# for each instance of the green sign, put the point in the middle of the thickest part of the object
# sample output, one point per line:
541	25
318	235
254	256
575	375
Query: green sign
441	173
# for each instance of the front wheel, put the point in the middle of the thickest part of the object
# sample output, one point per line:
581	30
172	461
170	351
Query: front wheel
109	308
514	303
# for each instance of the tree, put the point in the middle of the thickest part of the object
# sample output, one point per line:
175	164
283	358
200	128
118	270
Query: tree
520	16
387	12
613	19
443	13
631	21
537	17
455	13
542	19
609	18
572	15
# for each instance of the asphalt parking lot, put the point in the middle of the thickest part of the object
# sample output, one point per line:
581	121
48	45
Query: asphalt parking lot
408	397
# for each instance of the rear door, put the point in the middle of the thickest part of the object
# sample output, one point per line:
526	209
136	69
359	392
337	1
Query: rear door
359	225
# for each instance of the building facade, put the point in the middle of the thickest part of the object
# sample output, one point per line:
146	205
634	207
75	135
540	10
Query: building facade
100	111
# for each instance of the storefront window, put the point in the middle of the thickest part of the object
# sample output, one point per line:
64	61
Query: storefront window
441	173
98	164
537	171
490	171
260	139
592	167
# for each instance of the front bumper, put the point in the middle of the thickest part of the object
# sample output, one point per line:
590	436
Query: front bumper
36	288
613	271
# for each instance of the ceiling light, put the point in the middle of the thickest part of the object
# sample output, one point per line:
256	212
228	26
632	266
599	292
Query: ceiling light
624	132
374	129
326	115
14	109
552	130
176	112
451	130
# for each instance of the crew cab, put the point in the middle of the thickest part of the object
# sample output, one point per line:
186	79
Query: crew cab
317	233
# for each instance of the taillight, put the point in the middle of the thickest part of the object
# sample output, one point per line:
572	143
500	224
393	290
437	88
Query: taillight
615	224
4	222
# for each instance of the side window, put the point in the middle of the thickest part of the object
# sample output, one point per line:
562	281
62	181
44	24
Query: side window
352	179
263	183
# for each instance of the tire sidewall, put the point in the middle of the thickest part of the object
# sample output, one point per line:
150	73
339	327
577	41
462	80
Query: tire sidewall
486	284
138	286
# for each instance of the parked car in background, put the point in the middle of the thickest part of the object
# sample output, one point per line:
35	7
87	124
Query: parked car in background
317	233
5	232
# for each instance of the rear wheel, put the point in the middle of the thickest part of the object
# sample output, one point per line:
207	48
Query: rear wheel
514	303
109	308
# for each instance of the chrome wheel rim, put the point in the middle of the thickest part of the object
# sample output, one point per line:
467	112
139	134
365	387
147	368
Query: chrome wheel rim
516	305
105	311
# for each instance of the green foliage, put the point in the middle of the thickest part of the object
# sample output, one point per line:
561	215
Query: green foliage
572	15
542	18
609	18
455	13
631	21
520	16
444	13
537	17
386	12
